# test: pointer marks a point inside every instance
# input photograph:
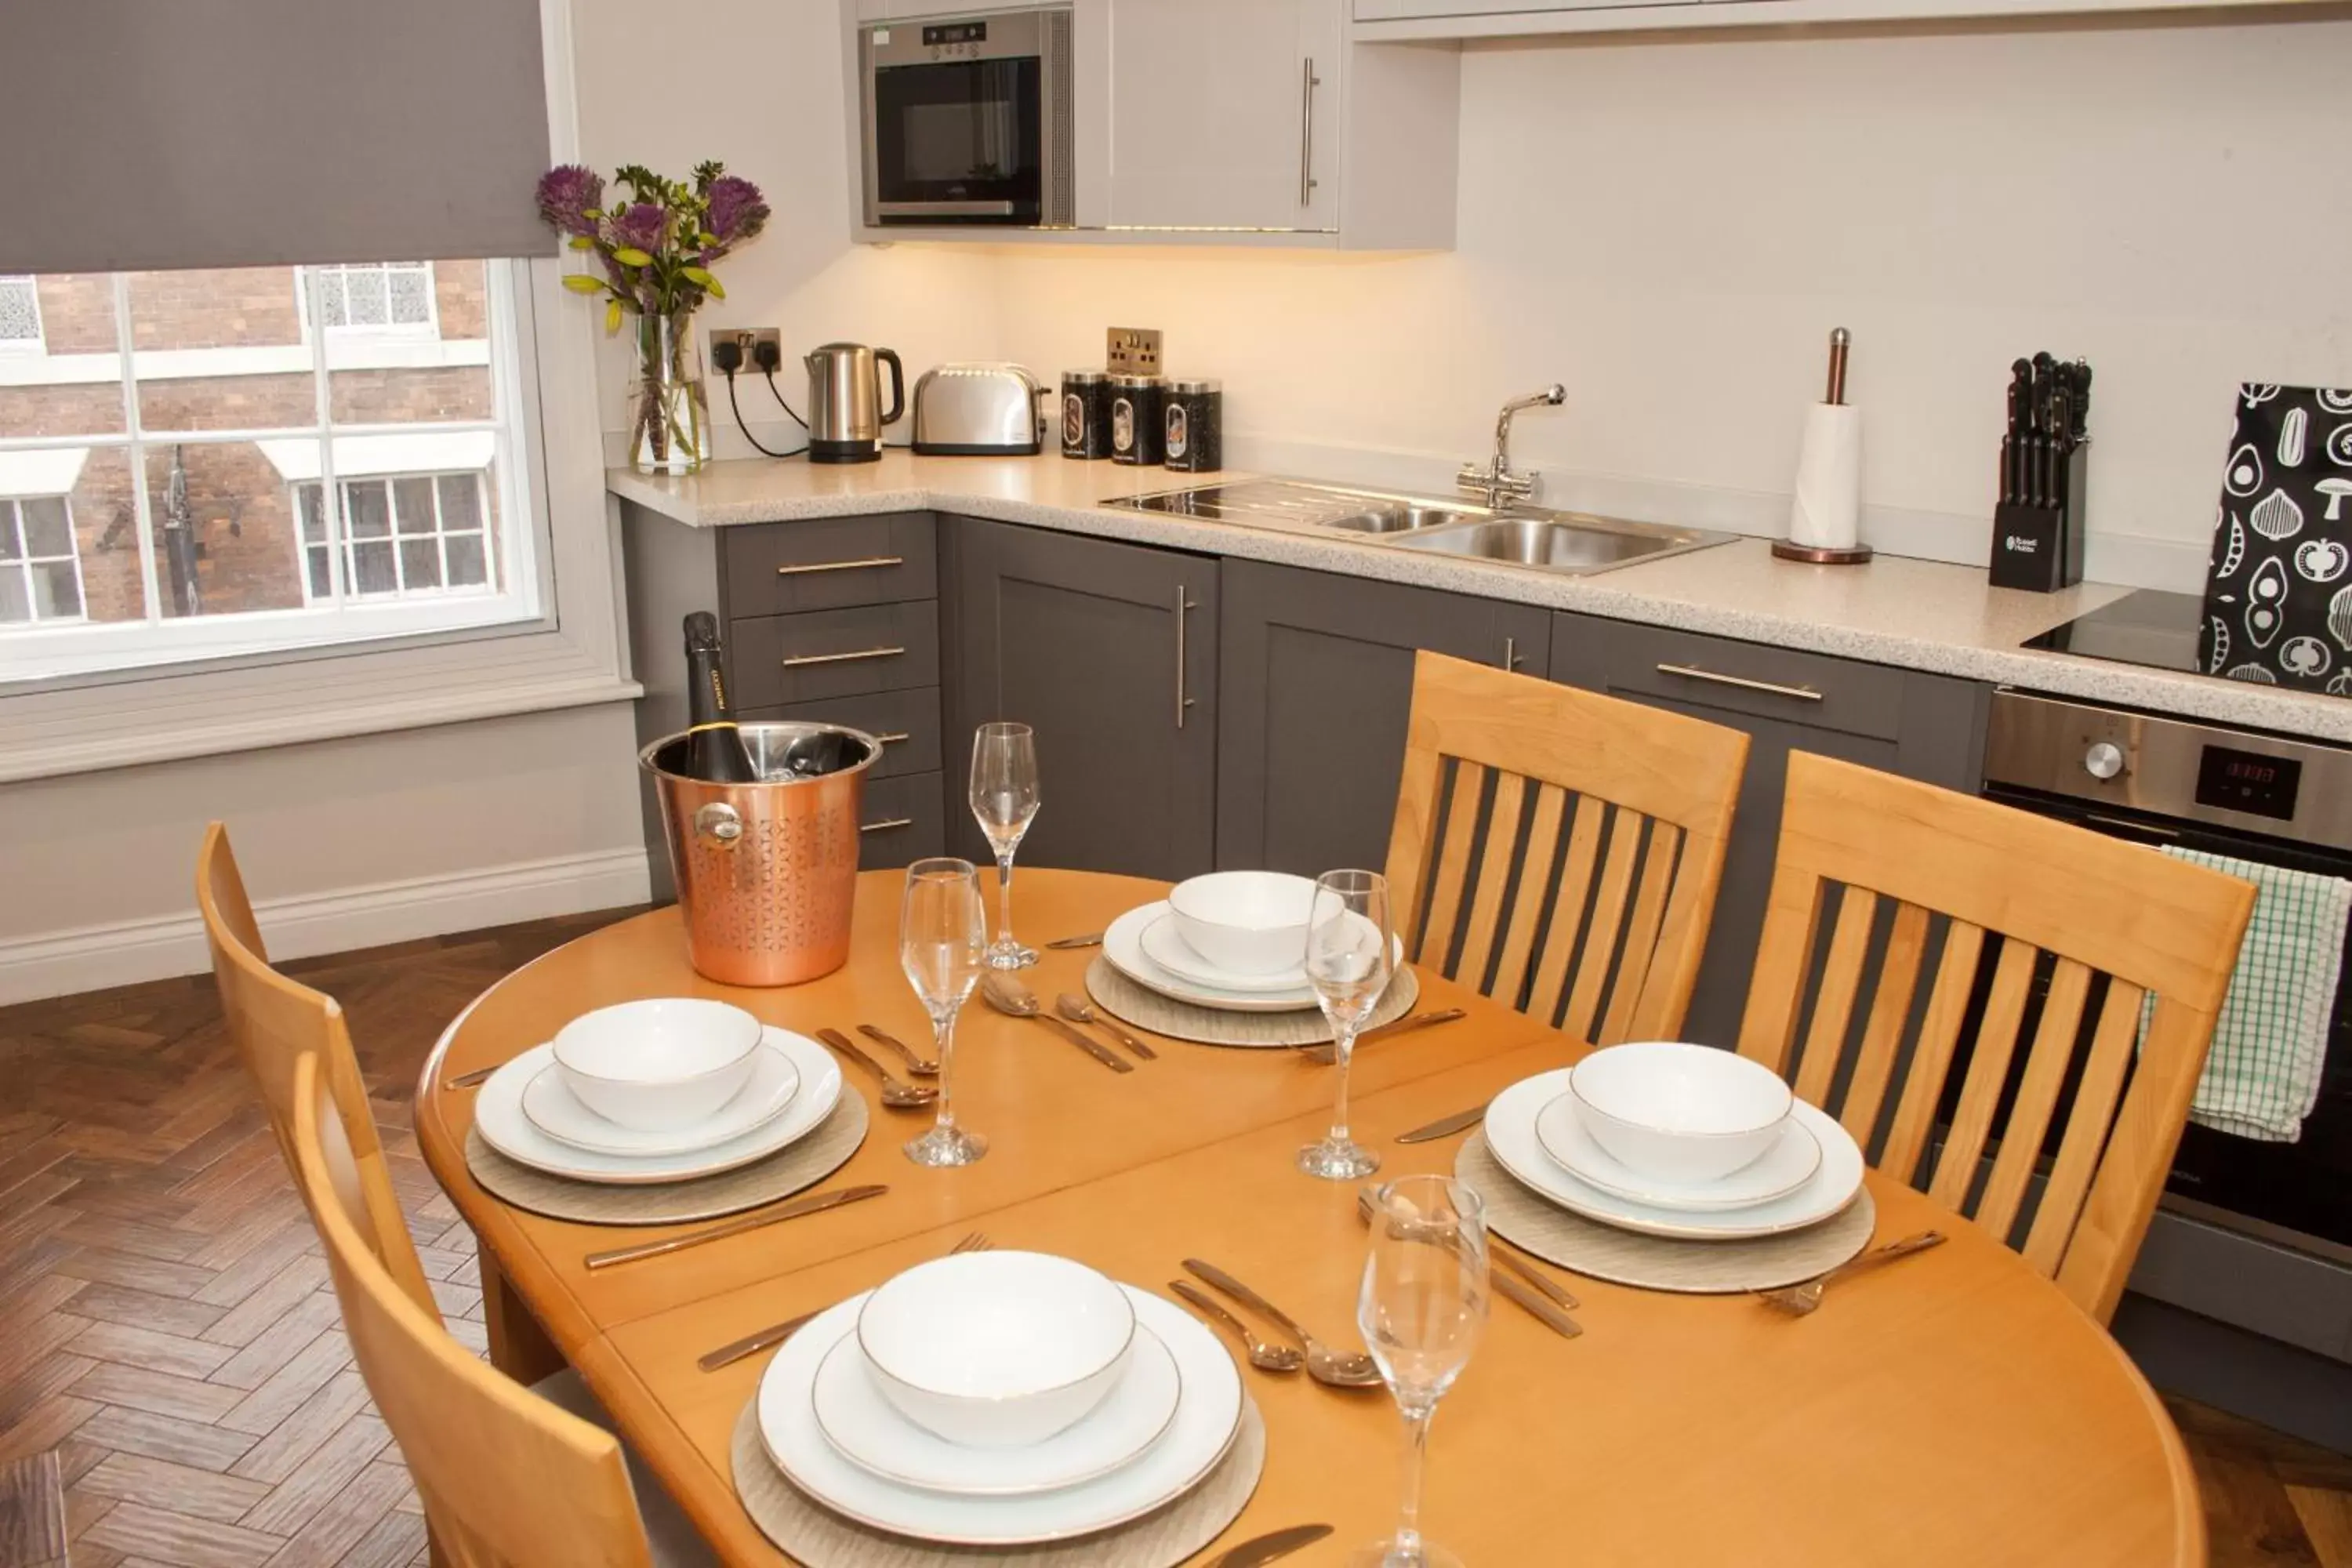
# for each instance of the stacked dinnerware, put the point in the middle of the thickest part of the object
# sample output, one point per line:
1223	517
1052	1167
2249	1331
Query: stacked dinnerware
1674	1140
662	1090
998	1399
1233	941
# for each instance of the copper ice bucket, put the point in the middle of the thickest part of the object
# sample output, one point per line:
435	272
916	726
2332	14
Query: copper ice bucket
766	871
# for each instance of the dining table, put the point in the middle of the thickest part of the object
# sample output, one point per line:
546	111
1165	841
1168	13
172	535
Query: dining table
1953	1408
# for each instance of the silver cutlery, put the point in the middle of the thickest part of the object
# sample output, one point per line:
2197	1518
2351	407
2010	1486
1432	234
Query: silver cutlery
1541	1296
815	1202
1012	999
898	1096
469	1080
1444	1126
758	1340
1404	1026
1509	1286
1079	1010
1340	1369
1798	1301
1262	1355
921	1066
1092	939
1263	1549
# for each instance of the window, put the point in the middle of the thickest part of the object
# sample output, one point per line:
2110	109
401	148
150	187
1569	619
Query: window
20	316
373	296
406	536
40	575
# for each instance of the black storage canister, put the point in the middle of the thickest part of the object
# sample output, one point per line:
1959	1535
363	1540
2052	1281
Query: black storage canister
1086	413
1194	423
1135	431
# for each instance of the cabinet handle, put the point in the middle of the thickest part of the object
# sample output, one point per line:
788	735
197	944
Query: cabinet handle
1510	653
804	571
887	823
1308	82
891	739
799	659
1693	672
1183	605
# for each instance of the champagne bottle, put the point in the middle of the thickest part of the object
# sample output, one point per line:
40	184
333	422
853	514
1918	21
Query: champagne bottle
714	746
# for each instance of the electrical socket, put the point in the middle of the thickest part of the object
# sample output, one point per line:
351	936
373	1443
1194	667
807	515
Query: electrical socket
746	339
1132	351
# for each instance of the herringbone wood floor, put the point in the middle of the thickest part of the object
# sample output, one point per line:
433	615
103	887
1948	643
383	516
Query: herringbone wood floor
165	1322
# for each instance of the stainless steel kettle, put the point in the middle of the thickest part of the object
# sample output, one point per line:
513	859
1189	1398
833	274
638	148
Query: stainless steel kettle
845	416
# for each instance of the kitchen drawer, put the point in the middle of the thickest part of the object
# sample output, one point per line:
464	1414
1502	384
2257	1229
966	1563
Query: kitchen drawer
829	564
903	819
833	653
1697	673
907	723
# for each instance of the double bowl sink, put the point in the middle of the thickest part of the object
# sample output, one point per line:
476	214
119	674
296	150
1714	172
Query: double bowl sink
1568	543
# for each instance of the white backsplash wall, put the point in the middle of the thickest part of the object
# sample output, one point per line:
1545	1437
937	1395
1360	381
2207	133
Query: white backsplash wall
1673	229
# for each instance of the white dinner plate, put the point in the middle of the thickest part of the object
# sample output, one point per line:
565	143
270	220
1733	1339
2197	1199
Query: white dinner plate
869	1432
1123	947
551	1107
1207	1418
1781	1170
498	1116
1511	1134
1166	946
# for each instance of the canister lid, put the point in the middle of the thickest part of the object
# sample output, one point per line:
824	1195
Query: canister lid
1194	387
1085	377
1137	381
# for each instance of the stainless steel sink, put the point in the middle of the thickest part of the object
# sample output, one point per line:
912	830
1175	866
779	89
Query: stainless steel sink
1403	517
1556	544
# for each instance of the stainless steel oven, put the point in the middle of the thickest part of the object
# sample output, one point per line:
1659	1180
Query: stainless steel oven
969	120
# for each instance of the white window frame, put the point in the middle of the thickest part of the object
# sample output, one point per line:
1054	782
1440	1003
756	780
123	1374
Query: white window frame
11	516
484	529
38	343
572	654
305	302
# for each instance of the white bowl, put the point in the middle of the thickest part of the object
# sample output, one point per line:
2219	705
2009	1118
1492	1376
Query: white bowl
1247	922
1685	1114
997	1350
657	1065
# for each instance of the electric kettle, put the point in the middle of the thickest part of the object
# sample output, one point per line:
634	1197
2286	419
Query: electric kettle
846	417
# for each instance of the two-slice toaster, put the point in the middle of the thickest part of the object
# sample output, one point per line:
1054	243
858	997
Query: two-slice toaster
979	410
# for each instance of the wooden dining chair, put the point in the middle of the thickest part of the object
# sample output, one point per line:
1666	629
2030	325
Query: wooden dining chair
1559	850
2036	933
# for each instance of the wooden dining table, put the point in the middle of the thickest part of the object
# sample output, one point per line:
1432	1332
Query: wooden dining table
1953	1408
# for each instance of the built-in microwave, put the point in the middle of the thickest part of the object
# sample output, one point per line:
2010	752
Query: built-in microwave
969	120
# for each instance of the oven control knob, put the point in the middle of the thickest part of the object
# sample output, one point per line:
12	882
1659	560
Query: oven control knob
2104	760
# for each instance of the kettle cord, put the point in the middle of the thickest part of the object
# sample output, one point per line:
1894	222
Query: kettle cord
737	408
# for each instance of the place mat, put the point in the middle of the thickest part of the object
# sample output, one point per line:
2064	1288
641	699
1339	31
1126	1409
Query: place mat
1139	1005
1535	1223
825	1149
811	1533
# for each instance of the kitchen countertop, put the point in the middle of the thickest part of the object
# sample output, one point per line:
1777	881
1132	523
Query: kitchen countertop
1919	615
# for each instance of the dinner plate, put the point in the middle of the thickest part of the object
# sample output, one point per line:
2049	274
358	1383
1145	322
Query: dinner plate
551	1106
1207	1418
1166	946
1123	947
1511	1134
1781	1170
498	1116
869	1432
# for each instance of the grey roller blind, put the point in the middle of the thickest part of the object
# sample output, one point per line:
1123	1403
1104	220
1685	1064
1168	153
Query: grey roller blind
165	133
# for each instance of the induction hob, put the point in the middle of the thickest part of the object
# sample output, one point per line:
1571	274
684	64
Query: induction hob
2148	627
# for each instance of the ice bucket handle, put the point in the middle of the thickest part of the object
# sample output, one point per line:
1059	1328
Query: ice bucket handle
719	826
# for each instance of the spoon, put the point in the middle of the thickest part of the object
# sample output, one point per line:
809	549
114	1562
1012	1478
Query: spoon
896	1095
1079	1010
1014	1000
921	1066
1264	1356
1340	1369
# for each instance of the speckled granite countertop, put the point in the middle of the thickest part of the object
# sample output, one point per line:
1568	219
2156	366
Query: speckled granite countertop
1920	614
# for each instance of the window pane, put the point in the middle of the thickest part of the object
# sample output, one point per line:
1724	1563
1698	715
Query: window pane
16	599
465	566
372	570
411	288
411	504
368	512
253	371
224	519
20	314
334	309
64	379
322	586
430	364
363	296
57	590
12	547
314	519
461	504
46	530
420	565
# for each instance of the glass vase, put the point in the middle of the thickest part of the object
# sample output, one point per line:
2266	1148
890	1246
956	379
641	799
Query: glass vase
669	414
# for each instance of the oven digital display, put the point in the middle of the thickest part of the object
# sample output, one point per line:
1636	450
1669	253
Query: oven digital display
2248	782
957	32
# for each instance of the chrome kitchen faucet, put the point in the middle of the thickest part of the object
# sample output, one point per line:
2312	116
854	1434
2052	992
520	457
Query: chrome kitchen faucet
1497	483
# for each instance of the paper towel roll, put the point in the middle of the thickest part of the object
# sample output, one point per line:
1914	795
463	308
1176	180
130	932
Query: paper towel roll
1827	512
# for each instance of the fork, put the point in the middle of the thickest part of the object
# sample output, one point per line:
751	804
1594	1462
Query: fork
1798	1301
758	1340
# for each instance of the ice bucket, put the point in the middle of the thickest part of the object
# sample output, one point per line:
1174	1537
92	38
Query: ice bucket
766	871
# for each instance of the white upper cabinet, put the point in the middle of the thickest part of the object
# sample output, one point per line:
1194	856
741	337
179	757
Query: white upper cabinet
1394	20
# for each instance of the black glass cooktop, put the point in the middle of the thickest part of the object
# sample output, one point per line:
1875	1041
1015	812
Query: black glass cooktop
2150	627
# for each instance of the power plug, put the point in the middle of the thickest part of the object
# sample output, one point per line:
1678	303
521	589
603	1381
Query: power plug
768	354
726	354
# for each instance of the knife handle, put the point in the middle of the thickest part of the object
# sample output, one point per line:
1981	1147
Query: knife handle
1543	1311
816	1203
1094	1048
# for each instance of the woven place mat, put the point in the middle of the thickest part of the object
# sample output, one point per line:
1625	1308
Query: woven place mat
825	1149
1534	1223
1147	1009
811	1533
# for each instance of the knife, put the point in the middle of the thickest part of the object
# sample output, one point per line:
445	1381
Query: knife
815	1202
1327	1053
1445	1126
1085	1043
1275	1544
1092	939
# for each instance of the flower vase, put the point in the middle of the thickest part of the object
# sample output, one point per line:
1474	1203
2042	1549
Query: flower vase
669	414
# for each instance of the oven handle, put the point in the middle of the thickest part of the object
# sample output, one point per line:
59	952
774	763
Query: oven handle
944	209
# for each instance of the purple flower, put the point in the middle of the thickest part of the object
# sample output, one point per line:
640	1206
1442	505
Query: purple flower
566	194
640	225
738	211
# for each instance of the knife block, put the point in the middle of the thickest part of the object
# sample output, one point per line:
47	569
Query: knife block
2041	547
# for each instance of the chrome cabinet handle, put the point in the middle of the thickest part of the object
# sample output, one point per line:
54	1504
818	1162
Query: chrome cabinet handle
797	660
887	822
1308	82
1510	653
804	571
1693	672
1183	605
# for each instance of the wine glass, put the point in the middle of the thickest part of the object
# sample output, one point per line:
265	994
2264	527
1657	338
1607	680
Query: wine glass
1422	1309
1348	962
943	931
1004	799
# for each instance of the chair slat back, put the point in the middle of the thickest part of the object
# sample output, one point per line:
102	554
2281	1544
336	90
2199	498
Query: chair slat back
1559	850
2047	938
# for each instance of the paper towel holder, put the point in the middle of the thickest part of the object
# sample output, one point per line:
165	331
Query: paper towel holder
1841	343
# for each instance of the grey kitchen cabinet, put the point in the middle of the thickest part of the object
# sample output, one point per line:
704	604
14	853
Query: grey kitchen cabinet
1926	727
1315	686
1109	651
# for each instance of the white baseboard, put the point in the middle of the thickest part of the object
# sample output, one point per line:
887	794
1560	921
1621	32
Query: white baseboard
94	957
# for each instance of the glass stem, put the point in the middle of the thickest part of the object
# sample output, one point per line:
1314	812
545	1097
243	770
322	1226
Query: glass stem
1343	1048
1004	900
1416	1459
943	1040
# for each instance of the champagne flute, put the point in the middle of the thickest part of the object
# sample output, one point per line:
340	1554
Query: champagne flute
1005	800
1348	962
943	931
1422	1309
